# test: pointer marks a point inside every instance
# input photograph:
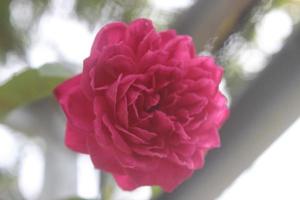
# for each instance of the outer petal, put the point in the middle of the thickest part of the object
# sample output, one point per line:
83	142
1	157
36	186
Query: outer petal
85	82
110	34
103	157
181	48
166	36
75	140
76	106
137	30
219	112
199	158
167	175
150	42
208	139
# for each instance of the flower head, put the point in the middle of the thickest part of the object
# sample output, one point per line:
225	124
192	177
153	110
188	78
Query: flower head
145	108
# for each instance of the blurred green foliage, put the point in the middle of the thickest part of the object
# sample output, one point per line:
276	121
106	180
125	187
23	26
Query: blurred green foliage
14	36
9	186
30	85
94	10
9	38
156	192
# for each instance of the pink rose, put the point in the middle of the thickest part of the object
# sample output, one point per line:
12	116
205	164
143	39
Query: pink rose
146	108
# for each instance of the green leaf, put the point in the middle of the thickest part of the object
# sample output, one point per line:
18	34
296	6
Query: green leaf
156	192
31	85
279	3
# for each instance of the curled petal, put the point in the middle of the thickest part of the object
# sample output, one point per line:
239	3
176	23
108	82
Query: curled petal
151	58
117	139
150	42
137	30
167	36
162	123
110	34
146	108
199	158
219	112
86	79
208	139
181	48
111	63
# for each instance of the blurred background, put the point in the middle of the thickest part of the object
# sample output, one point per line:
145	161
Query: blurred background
43	42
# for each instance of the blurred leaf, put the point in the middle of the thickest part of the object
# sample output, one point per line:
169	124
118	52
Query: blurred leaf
156	192
10	40
278	3
9	185
39	7
89	10
107	184
94	11
30	85
132	9
249	31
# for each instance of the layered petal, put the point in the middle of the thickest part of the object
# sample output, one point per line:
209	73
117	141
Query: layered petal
167	175
76	139
146	108
103	157
110	34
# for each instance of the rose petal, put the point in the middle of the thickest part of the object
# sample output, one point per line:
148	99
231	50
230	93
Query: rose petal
117	139
145	134
181	48
85	82
163	177
207	139
162	123
199	158
122	112
111	94
110	34
77	107
167	36
137	30
150	42
75	140
137	162
107	69
125	84
103	157
131	136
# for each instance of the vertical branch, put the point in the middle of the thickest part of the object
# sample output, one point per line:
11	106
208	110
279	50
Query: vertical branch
107	186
